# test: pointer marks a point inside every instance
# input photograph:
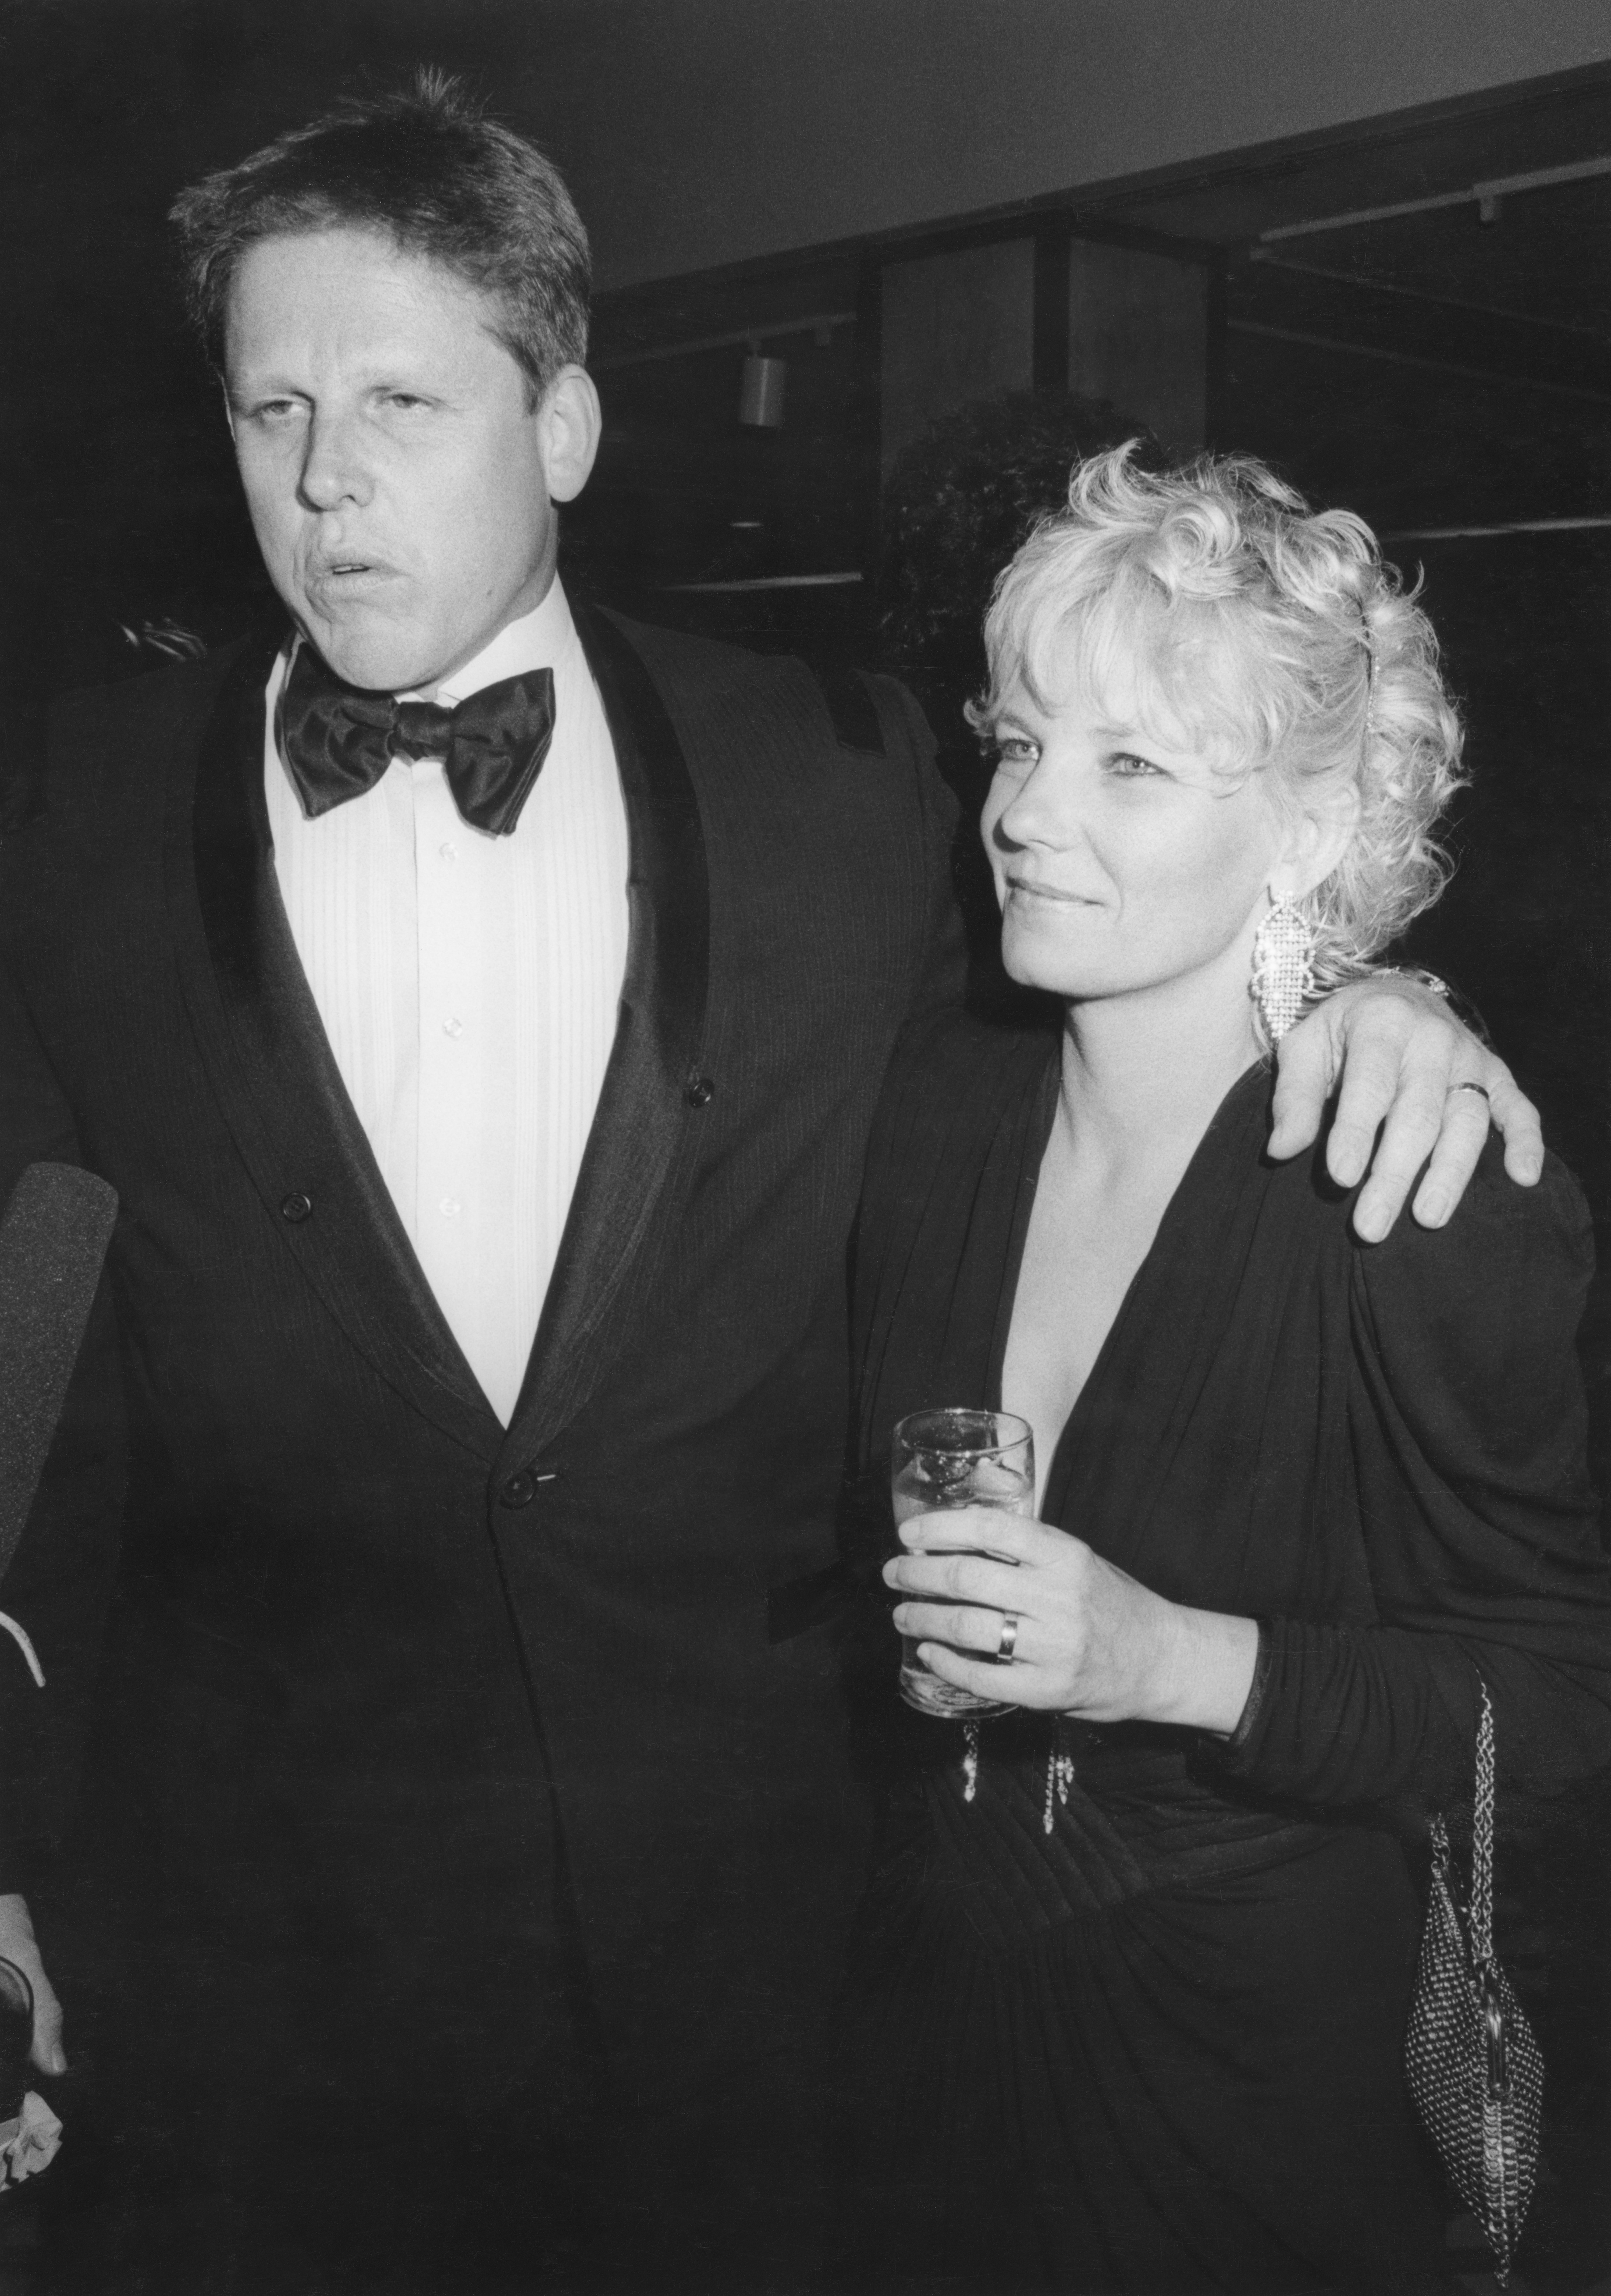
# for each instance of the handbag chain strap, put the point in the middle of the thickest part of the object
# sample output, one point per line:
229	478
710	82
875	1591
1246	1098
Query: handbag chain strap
1480	1913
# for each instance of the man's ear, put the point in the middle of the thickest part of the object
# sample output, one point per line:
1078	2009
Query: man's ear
1321	834
570	422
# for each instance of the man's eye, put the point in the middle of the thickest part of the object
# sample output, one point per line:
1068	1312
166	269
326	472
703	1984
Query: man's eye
404	400
276	412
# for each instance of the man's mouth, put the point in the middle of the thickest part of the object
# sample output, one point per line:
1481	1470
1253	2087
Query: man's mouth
347	573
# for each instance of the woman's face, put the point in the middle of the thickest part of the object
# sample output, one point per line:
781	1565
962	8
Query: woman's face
1120	862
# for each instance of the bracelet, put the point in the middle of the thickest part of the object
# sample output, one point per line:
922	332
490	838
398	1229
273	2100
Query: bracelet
1416	973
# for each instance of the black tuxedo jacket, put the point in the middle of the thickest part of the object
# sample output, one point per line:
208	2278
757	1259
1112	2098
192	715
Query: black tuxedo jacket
418	1748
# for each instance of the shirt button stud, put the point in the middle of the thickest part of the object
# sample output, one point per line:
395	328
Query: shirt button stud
448	850
520	1488
453	1026
450	1208
296	1207
699	1091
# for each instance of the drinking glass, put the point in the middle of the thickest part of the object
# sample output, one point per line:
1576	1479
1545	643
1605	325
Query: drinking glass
957	1458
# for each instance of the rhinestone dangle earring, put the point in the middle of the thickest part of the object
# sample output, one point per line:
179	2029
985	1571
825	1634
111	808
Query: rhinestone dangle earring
1283	976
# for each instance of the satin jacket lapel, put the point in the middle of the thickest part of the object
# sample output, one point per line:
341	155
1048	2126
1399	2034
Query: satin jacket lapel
271	1066
620	1212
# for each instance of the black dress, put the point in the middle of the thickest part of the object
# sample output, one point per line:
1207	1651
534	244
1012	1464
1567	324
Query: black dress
1157	2046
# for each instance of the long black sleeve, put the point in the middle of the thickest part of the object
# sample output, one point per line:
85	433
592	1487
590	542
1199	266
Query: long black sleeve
1468	1433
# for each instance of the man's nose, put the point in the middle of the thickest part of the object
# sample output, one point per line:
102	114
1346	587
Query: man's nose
334	469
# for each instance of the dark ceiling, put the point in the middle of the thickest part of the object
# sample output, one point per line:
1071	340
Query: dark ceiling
1517	283
116	467
1534	261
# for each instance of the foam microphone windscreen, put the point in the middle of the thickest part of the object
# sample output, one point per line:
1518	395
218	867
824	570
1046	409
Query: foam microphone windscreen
53	1241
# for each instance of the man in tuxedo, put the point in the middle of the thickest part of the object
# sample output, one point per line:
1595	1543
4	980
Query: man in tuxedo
478	1002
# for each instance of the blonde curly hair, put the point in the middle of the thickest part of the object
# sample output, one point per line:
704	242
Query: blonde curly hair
1274	636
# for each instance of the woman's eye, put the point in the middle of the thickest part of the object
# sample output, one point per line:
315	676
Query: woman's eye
1128	766
1015	752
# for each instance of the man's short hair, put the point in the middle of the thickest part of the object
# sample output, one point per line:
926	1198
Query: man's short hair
423	166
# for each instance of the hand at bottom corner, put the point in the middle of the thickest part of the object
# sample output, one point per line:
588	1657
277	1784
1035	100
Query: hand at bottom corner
30	2142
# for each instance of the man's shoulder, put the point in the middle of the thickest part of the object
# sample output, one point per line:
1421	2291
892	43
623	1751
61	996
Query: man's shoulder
678	652
179	694
862	709
954	1074
109	749
974	1054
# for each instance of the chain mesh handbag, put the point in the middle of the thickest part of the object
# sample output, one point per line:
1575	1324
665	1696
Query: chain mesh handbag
1474	2070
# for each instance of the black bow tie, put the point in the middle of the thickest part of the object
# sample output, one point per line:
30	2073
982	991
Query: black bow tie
338	740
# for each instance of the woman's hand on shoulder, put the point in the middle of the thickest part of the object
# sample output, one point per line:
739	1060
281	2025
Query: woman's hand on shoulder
1088	1640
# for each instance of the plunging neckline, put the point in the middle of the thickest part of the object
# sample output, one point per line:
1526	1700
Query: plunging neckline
1059	1473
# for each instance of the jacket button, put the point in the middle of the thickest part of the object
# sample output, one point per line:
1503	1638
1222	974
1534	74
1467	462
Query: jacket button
520	1488
699	1091
296	1206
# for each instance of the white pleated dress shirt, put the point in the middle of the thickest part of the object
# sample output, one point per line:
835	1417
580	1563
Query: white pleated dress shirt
469	987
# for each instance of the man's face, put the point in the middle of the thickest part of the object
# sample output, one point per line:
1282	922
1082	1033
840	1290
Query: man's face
402	485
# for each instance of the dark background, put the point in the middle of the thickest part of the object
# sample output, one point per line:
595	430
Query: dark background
1433	369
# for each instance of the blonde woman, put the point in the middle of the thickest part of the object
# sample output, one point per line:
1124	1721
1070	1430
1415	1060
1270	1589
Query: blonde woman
1130	1995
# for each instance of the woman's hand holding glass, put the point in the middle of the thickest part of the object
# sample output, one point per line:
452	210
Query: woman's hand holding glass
1090	1642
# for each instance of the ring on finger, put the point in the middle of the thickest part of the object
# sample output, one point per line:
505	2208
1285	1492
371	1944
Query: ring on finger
1468	1084
1007	1641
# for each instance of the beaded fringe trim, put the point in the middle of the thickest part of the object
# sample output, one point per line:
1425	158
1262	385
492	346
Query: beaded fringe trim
1059	1771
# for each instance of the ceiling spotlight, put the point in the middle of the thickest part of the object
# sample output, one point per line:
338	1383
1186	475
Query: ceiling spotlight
760	391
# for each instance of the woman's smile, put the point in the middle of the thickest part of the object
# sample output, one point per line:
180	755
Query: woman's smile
1031	889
